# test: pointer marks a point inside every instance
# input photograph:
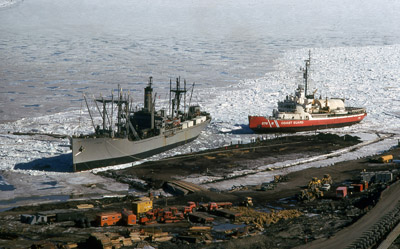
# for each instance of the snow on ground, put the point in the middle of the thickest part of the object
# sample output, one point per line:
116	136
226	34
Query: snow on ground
364	76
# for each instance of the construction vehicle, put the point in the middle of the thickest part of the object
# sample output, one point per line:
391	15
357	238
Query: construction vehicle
327	179
314	183
310	195
192	206
267	186
171	217
280	178
306	195
215	205
147	218
168	215
318	193
248	202
142	205
189	208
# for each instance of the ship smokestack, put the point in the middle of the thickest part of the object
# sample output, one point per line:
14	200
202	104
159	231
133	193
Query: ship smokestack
148	96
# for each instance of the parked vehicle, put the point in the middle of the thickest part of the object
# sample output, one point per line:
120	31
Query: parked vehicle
326	187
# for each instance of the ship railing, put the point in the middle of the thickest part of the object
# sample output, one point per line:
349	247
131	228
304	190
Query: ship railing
355	110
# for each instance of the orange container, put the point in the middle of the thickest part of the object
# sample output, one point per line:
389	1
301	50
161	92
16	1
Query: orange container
108	219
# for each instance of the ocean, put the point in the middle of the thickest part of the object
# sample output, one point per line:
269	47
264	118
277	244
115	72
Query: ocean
54	51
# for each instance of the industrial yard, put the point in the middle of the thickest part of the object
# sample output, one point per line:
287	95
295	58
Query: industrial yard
297	209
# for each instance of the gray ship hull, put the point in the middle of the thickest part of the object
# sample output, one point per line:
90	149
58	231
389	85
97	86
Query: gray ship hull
89	153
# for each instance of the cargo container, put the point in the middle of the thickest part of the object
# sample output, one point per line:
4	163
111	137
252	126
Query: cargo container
108	219
386	159
128	217
358	187
341	192
142	206
365	183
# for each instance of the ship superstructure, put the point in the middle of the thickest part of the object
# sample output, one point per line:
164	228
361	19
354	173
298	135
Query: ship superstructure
303	112
137	134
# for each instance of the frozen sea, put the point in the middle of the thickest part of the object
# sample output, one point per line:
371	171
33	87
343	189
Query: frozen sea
243	55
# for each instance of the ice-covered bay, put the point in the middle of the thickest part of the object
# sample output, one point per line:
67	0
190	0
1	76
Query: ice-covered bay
364	76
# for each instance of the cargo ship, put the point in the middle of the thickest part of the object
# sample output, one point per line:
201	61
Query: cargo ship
137	134
303	112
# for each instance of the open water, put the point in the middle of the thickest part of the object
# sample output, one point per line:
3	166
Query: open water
53	51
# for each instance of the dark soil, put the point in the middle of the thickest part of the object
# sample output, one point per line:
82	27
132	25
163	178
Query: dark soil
222	161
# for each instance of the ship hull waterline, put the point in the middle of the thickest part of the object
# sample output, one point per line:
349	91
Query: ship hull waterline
102	152
262	125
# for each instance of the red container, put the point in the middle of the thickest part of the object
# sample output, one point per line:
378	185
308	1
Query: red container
341	192
358	187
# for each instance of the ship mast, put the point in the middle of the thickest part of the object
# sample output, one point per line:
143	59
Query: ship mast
177	98
306	72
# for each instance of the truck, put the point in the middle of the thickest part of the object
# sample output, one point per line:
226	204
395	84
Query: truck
170	217
326	187
189	208
215	205
147	218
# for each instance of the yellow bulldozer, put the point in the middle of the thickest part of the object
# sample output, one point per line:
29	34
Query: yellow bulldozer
314	183
327	179
310	194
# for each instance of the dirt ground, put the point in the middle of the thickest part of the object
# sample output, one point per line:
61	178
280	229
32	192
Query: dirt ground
321	218
222	161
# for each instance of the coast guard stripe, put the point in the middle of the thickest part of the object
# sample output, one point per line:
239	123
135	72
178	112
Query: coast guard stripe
277	125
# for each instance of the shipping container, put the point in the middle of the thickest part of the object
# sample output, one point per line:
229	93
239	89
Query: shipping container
128	217
386	159
108	219
142	206
341	192
358	187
